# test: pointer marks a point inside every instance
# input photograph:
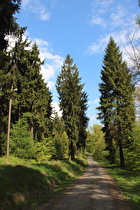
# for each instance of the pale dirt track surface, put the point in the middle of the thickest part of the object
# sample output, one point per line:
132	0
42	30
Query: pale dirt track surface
95	190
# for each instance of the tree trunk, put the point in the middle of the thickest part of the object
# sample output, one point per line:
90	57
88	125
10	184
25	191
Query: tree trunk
9	122
122	164
71	151
32	132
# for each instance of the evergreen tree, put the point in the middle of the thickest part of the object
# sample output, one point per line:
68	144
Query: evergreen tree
83	119
21	144
22	84
73	103
33	96
116	102
8	23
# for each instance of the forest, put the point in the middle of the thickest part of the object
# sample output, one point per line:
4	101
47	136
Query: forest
30	128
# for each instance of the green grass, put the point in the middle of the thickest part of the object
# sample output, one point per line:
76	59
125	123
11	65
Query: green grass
27	185
129	183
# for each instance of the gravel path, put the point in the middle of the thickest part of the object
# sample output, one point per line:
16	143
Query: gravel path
94	190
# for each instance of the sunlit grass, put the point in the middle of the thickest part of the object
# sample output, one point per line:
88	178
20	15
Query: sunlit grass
27	185
129	183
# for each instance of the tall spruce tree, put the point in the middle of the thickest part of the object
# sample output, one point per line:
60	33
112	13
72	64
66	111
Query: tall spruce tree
73	103
8	26
8	23
33	96
22	84
116	102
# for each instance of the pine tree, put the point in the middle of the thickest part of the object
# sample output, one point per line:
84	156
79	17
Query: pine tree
22	84
8	23
73	103
116	102
83	119
8	26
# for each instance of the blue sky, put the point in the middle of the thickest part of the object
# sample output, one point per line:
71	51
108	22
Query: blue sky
81	28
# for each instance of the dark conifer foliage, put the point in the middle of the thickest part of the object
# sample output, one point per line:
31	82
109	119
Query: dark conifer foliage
8	23
116	102
22	84
73	103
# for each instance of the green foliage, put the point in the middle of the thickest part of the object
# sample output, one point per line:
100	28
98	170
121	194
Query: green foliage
96	143
21	144
61	143
133	153
129	183
44	149
60	138
8	23
27	186
116	102
22	81
73	103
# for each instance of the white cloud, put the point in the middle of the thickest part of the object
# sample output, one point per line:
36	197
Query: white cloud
50	84
36	6
98	21
95	101
25	3
47	72
41	42
99	9
12	41
105	3
92	118
45	16
42	12
52	64
120	37
56	108
110	14
100	44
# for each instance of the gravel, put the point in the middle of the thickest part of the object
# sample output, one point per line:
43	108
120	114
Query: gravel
95	190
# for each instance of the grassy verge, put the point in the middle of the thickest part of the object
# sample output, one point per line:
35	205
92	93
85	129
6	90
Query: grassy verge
27	185
129	183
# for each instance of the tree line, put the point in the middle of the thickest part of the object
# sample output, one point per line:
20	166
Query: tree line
26	110
27	127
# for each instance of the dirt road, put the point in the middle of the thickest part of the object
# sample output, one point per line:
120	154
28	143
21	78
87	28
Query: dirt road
94	190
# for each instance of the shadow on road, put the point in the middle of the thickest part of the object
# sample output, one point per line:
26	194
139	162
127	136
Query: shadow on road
94	190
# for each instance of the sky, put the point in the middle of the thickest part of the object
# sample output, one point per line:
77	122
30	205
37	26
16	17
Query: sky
81	28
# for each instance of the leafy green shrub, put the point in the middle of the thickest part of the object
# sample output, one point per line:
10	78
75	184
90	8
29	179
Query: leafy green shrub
96	142
44	149
133	154
61	145
21	143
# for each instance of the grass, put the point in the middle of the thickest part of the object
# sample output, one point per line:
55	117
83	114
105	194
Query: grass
129	183
27	185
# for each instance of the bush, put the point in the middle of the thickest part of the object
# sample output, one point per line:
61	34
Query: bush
21	143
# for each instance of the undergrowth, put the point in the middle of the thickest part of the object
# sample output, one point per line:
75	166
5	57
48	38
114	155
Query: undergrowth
128	181
27	185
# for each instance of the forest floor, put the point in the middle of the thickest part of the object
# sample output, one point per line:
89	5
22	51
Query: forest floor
96	190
